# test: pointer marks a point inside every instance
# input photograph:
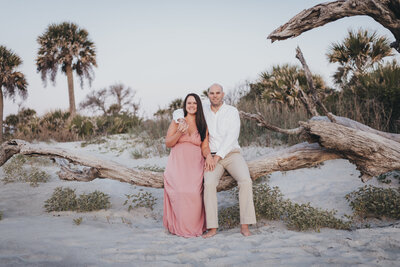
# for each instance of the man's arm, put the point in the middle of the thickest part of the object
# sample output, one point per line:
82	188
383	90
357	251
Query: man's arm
177	114
232	134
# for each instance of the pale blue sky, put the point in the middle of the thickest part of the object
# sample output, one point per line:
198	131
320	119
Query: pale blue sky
166	49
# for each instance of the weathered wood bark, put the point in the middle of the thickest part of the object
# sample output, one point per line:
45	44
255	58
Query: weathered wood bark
385	12
299	156
373	154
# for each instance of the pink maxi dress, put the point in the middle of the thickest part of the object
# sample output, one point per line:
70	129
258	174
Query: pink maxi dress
183	188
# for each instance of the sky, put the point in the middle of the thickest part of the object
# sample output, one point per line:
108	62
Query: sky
166	49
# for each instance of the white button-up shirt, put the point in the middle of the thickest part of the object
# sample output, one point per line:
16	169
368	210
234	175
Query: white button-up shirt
223	128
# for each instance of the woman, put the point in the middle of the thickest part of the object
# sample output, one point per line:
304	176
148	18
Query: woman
183	176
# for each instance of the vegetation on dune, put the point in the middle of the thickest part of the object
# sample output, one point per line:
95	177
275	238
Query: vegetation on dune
65	199
270	205
24	169
141	199
371	201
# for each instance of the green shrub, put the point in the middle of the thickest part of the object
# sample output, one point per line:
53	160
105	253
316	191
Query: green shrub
65	199
269	204
94	201
152	129
15	171
117	123
388	177
1	215
229	217
83	126
371	201
145	200
302	217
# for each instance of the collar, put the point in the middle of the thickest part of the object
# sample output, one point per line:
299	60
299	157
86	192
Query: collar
220	108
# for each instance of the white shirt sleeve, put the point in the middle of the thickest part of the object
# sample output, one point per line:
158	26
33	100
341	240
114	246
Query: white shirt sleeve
177	114
232	133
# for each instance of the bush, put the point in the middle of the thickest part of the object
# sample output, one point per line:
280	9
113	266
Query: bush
371	201
302	217
117	123
269	204
65	199
93	201
389	177
229	217
14	171
83	126
145	200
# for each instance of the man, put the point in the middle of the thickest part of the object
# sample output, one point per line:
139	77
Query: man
223	124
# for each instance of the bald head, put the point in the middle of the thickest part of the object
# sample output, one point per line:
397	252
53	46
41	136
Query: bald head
216	95
216	86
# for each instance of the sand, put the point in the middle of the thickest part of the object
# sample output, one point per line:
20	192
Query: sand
29	236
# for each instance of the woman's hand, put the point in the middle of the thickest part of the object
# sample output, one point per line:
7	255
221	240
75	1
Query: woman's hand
182	126
209	164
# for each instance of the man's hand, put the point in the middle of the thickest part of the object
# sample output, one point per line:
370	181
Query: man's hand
216	159
209	164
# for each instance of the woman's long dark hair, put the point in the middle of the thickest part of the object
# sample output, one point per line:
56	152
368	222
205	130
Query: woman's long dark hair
200	120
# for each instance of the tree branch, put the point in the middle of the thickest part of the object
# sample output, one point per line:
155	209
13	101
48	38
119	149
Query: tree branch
262	122
310	82
385	12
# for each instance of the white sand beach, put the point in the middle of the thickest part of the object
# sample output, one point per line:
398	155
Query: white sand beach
29	236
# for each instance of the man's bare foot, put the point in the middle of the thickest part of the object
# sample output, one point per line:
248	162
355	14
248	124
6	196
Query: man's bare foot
210	233
244	230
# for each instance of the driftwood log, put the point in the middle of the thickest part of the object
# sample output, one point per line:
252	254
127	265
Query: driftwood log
385	12
372	151
299	156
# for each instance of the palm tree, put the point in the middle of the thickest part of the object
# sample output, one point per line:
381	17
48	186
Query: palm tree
11	81
283	84
67	46
357	53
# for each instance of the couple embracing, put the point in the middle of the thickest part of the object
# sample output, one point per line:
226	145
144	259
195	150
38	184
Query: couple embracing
204	143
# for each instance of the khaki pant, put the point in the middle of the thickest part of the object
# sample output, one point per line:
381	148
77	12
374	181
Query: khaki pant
235	164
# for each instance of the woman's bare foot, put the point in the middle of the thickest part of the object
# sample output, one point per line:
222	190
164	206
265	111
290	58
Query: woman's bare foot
210	233
244	229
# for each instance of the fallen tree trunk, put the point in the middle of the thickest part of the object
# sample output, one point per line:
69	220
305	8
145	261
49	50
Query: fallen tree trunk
299	156
385	12
372	154
370	150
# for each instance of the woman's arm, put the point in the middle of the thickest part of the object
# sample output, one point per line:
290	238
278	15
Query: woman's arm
174	132
205	150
